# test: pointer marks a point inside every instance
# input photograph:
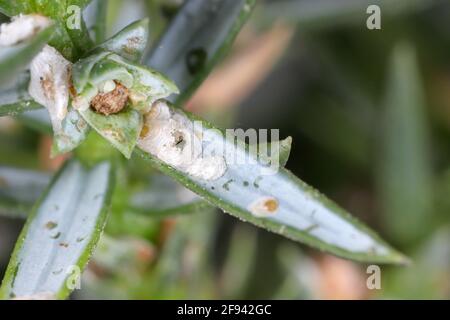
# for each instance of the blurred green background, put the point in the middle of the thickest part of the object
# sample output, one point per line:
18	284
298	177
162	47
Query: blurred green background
369	113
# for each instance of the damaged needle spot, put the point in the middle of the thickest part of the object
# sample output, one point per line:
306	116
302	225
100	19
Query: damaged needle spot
111	102
264	206
51	225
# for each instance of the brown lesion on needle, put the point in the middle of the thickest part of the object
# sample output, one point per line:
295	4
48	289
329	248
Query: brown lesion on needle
111	102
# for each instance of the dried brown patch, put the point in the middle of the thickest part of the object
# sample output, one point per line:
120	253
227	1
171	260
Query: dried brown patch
271	205
72	90
144	131
111	102
47	84
264	206
51	225
132	45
